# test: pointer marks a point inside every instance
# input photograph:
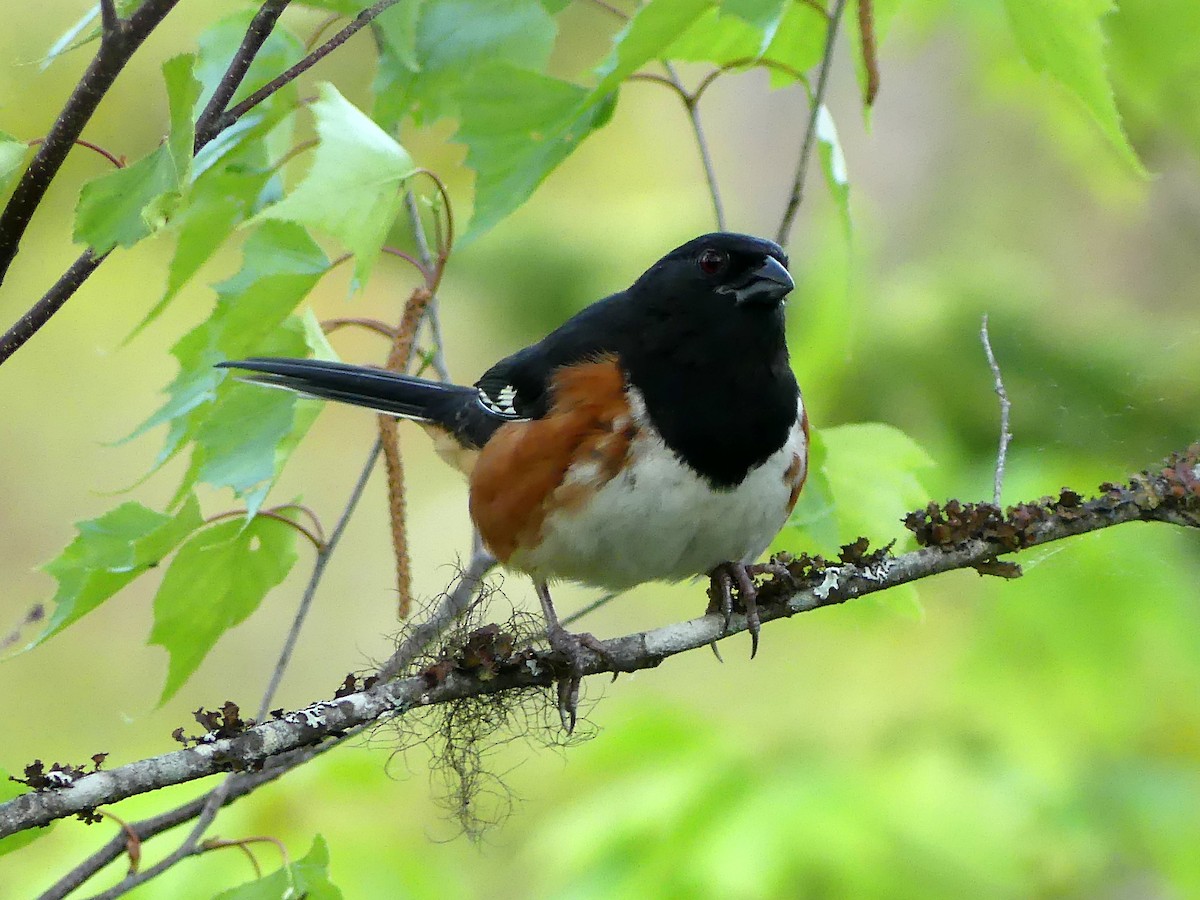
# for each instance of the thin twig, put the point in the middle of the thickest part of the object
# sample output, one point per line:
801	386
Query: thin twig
609	8
207	125
363	19
41	312
1005	408
590	608
810	133
117	161
381	328
271	514
1164	493
116	49
710	172
866	32
243	784
314	580
110	22
454	605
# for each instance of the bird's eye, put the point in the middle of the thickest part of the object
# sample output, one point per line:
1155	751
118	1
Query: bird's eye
712	262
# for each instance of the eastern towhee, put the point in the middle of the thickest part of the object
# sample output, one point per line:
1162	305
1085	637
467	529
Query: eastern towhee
657	435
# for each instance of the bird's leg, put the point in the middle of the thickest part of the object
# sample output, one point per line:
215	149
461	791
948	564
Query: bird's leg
570	645
720	593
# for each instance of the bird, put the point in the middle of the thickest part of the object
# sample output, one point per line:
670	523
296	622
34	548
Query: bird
659	434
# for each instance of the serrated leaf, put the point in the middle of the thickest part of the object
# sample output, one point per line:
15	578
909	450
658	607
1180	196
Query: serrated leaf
429	50
71	39
353	189
220	41
833	165
281	266
654	27
307	878
216	580
108	553
12	155
125	206
9	790
518	126
1064	40
790	35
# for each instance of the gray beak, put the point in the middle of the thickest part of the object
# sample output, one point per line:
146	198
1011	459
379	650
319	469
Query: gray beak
767	285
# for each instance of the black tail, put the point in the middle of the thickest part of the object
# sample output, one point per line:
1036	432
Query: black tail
388	392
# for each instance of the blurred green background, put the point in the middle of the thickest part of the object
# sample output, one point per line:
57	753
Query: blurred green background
1031	738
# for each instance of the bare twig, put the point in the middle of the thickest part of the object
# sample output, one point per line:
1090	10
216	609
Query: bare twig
866	32
1166	494
117	161
41	312
1005	408
810	133
710	174
240	785
116	48
454	605
310	536
261	25
360	21
314	580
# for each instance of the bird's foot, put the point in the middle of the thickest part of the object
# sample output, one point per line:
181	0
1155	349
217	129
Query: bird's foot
724	578
574	647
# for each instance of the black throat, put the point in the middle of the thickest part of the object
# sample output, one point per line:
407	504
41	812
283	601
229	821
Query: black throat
717	385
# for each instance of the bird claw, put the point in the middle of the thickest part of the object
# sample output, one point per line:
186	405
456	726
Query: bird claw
572	646
720	593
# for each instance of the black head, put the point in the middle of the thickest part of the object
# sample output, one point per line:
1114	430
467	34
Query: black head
736	270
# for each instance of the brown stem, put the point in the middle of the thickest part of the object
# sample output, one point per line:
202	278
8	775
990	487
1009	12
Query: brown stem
810	133
866	32
117	161
261	26
119	41
360	21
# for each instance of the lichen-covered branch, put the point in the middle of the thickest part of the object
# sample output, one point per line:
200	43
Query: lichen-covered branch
955	536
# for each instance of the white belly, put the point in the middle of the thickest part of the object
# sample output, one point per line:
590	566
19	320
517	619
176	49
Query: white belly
657	520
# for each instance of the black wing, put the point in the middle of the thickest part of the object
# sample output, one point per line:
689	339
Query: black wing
518	387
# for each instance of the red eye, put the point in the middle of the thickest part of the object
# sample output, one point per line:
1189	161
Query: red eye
712	262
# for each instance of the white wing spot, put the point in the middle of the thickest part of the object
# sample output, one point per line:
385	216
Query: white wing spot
503	404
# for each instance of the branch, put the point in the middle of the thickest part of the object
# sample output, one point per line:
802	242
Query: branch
810	133
120	40
363	19
1005	410
957	536
261	25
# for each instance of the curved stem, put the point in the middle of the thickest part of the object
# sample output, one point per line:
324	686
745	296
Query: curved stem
810	134
270	514
329	326
117	161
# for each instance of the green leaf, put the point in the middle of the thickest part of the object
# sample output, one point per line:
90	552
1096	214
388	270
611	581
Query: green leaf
870	473
66	41
281	266
833	165
307	878
653	29
430	49
352	191
108	553
518	126
790	35
1064	40
9	790
216	580
218	44
125	206
12	155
